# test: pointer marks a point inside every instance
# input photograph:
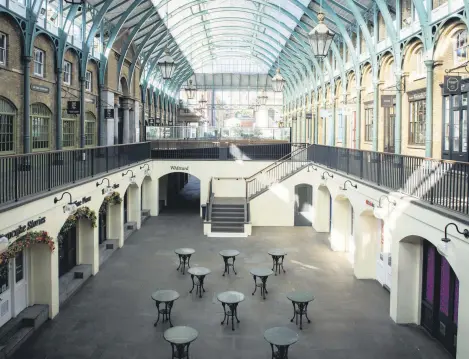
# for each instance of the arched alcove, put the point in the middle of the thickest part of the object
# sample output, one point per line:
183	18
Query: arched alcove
303	205
342	231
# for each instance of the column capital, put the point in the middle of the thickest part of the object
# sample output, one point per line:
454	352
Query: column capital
429	63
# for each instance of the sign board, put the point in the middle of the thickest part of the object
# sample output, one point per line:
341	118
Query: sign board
108	113
179	168
23	228
39	88
452	85
73	107
387	100
309	115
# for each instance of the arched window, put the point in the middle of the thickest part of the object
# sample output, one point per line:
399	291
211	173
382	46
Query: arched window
40	126
90	129
7	126
420	68
69	132
460	47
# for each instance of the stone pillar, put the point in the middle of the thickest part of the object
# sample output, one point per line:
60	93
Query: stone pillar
116	124
101	120
116	223
367	236
58	109
88	245
321	210
134	210
26	104
82	111
131	125
340	232
136	128
375	115
334	115
126	120
429	110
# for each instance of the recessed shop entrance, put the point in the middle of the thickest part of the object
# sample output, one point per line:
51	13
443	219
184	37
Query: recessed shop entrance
440	298
179	192
303	205
67	250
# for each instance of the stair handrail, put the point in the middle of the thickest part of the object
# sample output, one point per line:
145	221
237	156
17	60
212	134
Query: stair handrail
208	215
303	146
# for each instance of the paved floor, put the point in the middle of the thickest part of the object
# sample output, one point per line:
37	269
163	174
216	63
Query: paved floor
113	315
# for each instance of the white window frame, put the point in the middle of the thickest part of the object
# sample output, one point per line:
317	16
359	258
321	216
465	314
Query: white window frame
457	58
3	50
88	81
39	62
421	68
67	74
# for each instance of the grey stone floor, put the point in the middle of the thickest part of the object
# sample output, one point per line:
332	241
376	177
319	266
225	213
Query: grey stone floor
112	316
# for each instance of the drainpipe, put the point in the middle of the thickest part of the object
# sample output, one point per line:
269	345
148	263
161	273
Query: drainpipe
26	107
375	114
82	111
58	95
398	116
429	109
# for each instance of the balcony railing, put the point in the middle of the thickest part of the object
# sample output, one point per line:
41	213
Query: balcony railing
156	133
439	182
25	175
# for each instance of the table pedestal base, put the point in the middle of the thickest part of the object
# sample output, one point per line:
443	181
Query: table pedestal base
180	351
183	259
166	313
199	284
262	285
277	264
232	312
280	353
300	309
228	265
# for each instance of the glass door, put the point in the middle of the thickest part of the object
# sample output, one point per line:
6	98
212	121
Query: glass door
389	129
68	251
455	129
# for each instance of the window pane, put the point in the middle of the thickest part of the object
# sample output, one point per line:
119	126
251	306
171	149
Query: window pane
19	268
456	131
6	132
446	124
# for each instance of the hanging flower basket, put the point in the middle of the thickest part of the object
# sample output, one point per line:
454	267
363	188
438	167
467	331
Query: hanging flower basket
72	220
25	241
114	198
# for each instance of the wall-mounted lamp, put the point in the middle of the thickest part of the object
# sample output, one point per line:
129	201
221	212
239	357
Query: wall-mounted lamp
69	208
147	170
323	176
108	189
132	177
311	166
444	246
344	187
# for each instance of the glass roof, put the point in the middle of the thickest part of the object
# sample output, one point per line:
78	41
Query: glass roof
230	36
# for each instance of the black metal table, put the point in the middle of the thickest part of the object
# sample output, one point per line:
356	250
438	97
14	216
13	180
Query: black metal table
281	338
180	339
199	273
300	302
167	297
262	274
184	257
278	256
230	299
228	254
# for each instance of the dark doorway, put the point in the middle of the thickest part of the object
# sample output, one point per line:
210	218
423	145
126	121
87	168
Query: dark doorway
303	205
182	196
389	129
120	126
125	206
67	250
455	128
440	298
102	223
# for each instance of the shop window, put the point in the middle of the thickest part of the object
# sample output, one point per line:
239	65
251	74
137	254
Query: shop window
369	124
460	47
67	73
417	123
3	49
90	129
69	130
88	81
39	62
40	126
19	267
7	126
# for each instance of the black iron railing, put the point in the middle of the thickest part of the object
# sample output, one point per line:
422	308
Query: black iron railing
440	182
220	151
30	174
277	171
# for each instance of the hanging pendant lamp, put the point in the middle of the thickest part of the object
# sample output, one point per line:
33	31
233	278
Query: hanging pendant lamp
166	63
320	38
190	90
278	82
262	98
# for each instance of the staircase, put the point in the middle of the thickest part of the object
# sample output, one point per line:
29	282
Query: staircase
228	215
277	172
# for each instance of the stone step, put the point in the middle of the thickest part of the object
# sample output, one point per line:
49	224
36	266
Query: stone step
224	218
227	210
228	229
228	206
